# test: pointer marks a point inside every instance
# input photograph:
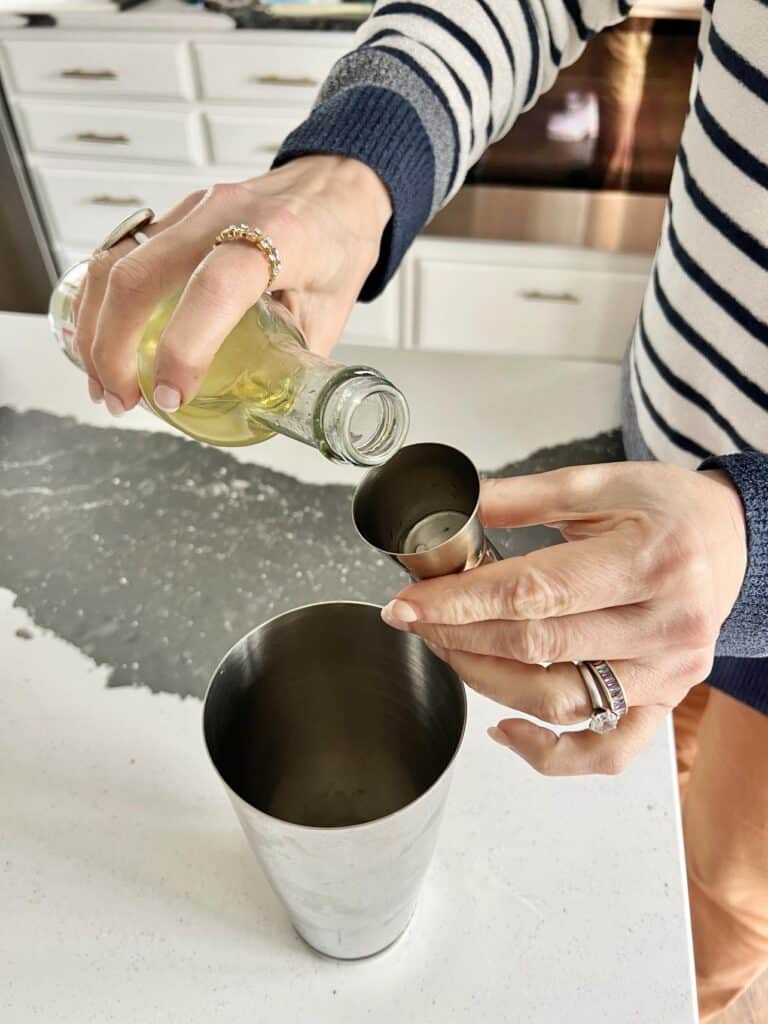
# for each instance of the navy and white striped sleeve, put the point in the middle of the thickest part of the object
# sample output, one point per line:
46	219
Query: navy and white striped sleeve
430	85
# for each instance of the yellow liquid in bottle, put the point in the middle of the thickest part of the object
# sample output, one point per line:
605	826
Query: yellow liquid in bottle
256	369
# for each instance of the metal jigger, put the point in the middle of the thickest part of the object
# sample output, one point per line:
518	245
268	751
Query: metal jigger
421	508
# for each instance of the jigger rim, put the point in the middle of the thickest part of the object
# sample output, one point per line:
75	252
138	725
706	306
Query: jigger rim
377	469
292	825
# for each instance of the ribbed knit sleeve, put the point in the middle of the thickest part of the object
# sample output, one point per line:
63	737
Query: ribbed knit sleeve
745	631
430	85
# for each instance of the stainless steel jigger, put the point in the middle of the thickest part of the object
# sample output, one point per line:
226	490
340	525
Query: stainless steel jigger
421	508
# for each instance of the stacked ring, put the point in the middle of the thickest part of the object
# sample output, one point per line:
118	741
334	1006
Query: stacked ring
611	687
602	719
256	237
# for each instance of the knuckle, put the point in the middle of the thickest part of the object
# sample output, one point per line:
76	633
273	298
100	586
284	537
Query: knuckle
699	666
580	481
697	626
211	283
197	196
100	265
554	706
227	193
281	223
536	642
685	555
129	277
442	636
533	595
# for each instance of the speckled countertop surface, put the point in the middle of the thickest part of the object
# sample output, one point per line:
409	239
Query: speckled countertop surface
130	559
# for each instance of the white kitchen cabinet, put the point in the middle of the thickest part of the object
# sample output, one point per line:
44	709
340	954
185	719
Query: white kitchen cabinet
523	299
84	206
89	67
110	121
124	133
248	139
283	74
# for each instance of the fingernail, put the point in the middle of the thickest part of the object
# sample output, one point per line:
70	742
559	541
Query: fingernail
399	614
114	404
498	736
167	398
95	390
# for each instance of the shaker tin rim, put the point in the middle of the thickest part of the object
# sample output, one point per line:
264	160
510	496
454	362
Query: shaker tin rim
324	828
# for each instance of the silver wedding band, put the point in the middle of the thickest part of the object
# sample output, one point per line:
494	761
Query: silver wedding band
606	694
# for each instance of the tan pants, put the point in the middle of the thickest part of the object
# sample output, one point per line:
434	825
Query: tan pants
722	756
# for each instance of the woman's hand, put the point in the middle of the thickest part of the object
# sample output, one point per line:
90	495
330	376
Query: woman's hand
655	564
325	214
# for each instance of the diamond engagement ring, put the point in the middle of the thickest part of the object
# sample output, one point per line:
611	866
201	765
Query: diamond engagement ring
606	695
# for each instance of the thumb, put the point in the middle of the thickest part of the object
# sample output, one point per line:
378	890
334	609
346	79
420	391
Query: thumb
544	498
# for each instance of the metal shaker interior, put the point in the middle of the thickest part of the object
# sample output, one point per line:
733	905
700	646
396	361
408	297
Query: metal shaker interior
326	717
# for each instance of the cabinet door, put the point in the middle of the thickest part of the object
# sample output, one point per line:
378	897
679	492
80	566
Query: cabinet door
111	133
251	140
564	311
99	69
376	323
84	206
282	74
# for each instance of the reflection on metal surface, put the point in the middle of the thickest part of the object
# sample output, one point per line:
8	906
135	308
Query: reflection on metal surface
611	121
422	509
609	221
335	736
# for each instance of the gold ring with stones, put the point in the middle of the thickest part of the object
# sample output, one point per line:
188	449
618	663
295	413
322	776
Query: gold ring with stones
254	236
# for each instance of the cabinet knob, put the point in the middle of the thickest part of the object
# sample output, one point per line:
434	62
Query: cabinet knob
104	75
105	200
283	80
534	295
115	140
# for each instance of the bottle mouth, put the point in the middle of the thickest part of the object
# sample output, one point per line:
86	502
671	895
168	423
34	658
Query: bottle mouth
365	420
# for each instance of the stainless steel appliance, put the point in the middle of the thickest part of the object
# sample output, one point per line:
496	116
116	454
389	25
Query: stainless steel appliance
27	270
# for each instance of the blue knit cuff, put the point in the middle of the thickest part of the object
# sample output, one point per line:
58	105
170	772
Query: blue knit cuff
381	129
745	631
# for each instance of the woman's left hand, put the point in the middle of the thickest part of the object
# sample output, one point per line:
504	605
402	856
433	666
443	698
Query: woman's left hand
655	564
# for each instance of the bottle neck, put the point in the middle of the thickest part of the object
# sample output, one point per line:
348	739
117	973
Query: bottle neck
361	418
349	413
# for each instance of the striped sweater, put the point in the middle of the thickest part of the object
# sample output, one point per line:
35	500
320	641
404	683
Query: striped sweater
432	83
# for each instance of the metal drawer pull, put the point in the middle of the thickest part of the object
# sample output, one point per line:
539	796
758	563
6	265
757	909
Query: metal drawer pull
537	296
93	76
282	80
267	148
96	137
105	200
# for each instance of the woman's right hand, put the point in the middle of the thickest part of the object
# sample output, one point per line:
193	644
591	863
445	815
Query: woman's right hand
325	214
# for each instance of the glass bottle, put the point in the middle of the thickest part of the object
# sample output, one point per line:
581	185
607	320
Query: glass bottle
264	381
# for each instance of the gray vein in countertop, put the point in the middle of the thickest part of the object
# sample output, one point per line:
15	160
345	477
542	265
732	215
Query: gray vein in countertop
154	554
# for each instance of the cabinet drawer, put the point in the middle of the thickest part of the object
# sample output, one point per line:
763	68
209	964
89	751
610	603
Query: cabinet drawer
110	132
83	207
539	311
99	69
252	141
378	322
276	74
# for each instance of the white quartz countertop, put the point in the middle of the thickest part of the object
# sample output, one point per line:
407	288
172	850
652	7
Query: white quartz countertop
127	891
